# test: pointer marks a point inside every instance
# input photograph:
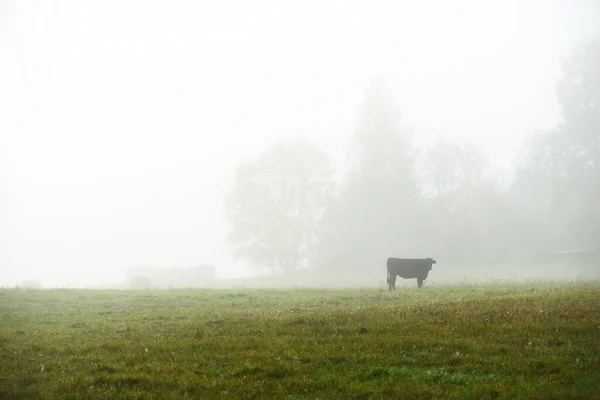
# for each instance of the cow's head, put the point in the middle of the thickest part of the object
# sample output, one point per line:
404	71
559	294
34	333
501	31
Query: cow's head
432	260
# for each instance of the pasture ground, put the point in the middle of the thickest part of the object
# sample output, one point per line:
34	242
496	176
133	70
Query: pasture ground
511	341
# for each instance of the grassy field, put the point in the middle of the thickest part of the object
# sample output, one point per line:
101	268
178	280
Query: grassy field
521	341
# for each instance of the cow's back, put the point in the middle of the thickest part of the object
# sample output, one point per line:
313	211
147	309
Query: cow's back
409	268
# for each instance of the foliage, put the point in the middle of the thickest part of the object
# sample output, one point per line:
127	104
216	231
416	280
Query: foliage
450	167
560	177
463	203
378	202
276	205
444	201
512	341
381	144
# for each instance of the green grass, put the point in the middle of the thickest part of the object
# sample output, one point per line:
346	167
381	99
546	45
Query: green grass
522	341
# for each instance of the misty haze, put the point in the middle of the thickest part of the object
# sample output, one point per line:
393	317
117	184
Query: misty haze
272	199
269	139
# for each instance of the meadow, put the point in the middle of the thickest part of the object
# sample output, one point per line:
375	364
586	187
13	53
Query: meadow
490	341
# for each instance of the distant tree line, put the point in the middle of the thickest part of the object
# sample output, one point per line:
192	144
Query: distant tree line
287	214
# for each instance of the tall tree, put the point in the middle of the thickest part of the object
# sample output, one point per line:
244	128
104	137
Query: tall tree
466	211
579	97
375	209
381	144
448	167
276	205
562	171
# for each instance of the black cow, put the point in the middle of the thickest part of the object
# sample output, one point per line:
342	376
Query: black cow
408	268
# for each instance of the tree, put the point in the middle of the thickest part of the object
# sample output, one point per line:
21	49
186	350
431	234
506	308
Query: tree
449	167
466	210
276	205
579	97
376	209
381	144
561	174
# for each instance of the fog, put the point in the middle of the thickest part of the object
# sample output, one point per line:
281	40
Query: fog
129	130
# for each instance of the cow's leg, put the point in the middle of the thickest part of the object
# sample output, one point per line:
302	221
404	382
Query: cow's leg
420	282
393	281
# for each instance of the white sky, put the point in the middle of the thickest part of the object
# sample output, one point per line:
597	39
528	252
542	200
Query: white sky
121	122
